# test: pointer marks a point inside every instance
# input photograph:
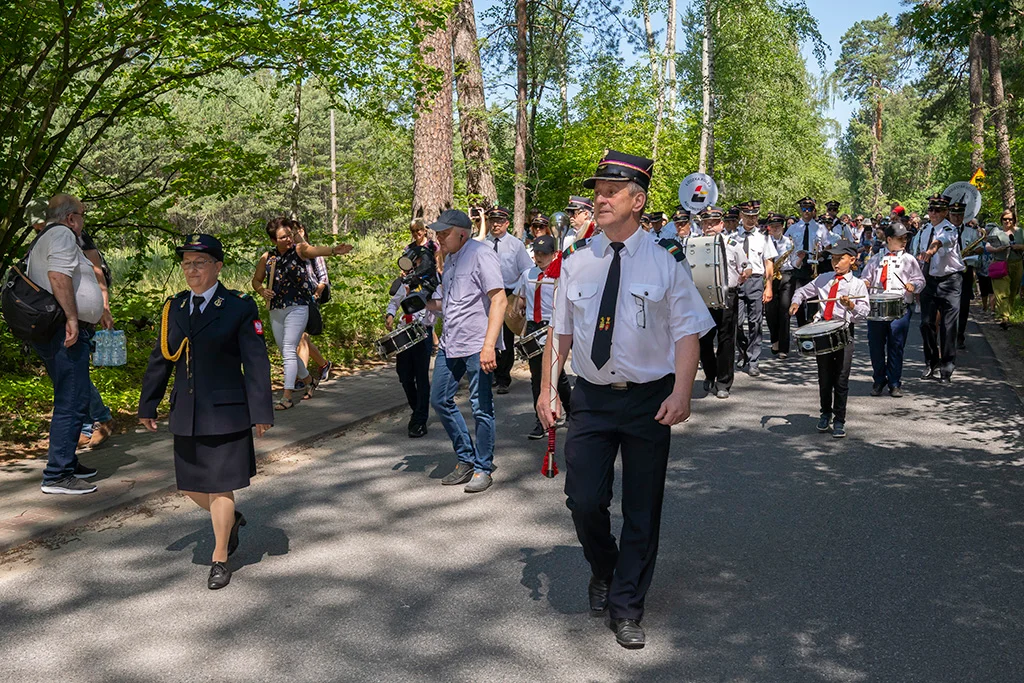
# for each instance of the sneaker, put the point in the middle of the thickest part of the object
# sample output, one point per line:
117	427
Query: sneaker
100	433
462	473
930	373
824	422
481	482
502	389
68	485
754	372
876	389
417	430
83	472
537	433
896	392
325	371
783	355
838	430
722	393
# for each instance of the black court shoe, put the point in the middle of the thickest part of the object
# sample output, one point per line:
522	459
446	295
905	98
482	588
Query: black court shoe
233	539
220	576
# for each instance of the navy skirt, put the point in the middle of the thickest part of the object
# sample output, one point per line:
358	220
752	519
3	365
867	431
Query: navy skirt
214	464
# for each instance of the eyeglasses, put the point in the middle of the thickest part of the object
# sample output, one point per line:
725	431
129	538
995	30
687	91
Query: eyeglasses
1006	220
198	264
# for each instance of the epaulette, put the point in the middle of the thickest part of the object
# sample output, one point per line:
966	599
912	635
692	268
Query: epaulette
673	247
183	293
575	246
239	294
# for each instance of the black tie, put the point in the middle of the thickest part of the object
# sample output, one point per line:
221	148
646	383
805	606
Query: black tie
746	244
193	320
601	351
495	245
807	234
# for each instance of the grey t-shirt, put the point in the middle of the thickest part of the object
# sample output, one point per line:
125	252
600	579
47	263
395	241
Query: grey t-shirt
469	274
58	251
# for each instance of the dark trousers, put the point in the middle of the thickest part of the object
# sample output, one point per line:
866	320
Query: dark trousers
413	368
718	365
68	369
806	312
605	421
940	296
834	381
507	358
966	295
537	367
777	311
887	341
749	314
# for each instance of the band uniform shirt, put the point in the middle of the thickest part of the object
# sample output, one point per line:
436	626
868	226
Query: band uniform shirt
969	235
735	259
817	238
527	288
902	266
819	288
469	274
568	238
838	232
658	304
759	248
512	255
207	298
58	251
424	317
782	245
947	259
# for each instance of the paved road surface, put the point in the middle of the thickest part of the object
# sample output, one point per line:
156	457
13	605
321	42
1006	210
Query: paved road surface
894	555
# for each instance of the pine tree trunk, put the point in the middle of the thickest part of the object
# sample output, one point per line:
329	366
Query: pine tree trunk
294	155
334	178
706	162
473	127
670	56
976	50
432	183
519	163
995	74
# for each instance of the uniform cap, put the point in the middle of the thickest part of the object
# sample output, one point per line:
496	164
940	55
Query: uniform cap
832	205
844	247
576	203
204	244
751	207
498	212
453	218
776	219
733	213
657	215
622	167
545	244
957	207
540	219
712	212
938	201
807	201
681	214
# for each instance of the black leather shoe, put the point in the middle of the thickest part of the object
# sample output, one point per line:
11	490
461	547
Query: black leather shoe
707	386
220	576
416	431
930	373
462	473
597	592
502	389
233	540
946	379
876	389
628	633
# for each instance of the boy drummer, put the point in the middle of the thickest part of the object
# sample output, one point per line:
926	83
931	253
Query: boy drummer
891	270
536	300
843	297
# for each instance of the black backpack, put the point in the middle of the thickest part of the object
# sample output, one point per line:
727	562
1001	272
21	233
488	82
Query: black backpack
31	312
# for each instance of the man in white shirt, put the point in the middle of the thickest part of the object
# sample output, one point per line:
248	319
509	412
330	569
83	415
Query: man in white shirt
514	260
776	311
581	220
756	290
57	264
966	235
943	272
810	239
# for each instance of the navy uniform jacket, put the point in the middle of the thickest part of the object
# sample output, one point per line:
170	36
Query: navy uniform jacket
218	398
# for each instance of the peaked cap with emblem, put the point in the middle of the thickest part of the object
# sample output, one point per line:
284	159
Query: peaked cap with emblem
204	244
776	219
807	201
498	212
711	212
751	207
577	203
657	215
833	205
957	207
733	213
540	219
622	167
938	201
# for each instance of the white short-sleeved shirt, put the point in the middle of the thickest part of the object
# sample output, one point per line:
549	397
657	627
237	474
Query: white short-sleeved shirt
657	305
58	251
947	259
782	245
757	247
527	288
806	236
512	255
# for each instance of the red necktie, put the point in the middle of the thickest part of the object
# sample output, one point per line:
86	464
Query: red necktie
536	300
831	305
407	319
885	271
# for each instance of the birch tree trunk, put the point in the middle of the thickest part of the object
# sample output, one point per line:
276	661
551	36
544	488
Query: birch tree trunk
473	127
995	75
706	162
670	56
519	163
432	183
334	178
976	49
294	154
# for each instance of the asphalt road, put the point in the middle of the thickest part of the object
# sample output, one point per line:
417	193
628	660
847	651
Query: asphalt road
892	555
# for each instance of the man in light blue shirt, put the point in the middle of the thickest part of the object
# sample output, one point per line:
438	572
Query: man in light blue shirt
514	259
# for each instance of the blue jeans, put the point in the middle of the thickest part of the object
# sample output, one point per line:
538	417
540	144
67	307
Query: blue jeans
886	341
98	411
447	373
68	369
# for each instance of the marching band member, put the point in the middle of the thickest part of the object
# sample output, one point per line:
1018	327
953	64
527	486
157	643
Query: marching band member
891	270
756	290
413	364
966	235
731	220
539	225
660	231
941	293
514	260
581	220
845	298
536	300
777	310
629	393
809	236
683	226
718	365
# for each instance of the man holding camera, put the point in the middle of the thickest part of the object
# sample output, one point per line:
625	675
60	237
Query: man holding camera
472	301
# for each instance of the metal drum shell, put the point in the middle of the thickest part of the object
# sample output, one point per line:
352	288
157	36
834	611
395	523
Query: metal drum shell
709	268
823	337
532	344
401	339
886	307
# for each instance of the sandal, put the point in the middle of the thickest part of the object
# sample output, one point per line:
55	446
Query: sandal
284	404
309	391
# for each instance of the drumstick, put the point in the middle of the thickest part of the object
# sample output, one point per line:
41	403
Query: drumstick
818	301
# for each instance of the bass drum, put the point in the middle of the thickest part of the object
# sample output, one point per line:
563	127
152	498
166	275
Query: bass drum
706	256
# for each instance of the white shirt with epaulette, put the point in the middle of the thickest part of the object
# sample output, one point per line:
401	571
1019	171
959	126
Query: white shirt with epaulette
947	259
657	305
758	247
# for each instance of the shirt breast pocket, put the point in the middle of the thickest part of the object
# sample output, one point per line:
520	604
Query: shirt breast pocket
584	300
647	304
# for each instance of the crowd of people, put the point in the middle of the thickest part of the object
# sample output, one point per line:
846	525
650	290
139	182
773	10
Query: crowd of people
609	285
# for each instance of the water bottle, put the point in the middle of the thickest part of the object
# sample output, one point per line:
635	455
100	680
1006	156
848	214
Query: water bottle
119	352
99	355
111	348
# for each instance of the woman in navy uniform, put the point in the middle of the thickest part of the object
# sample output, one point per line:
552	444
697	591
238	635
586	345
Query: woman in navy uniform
212	338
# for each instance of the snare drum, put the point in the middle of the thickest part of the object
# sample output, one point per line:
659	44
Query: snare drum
823	337
886	307
708	265
403	338
532	344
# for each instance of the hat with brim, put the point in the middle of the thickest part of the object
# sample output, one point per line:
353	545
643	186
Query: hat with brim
545	244
957	208
733	214
750	208
621	167
844	248
832	205
452	218
578	203
712	213
938	202
541	220
203	244
807	201
498	213
681	215
897	230
867	223
776	219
